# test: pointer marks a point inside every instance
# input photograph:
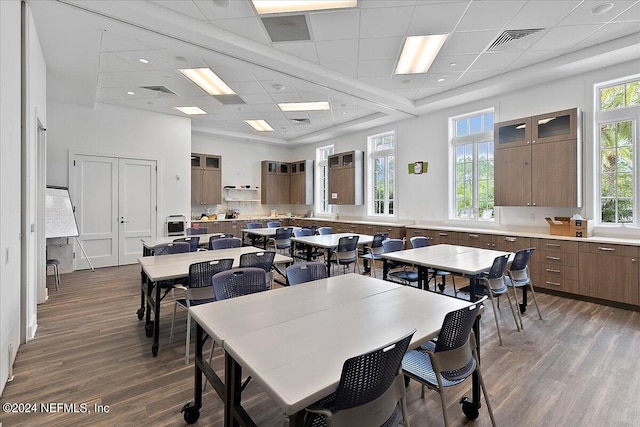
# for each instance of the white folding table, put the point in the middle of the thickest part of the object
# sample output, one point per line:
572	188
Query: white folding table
328	242
293	341
156	269
148	245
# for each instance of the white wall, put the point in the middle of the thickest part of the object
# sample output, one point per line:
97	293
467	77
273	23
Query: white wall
241	166
121	132
10	106
34	288
425	198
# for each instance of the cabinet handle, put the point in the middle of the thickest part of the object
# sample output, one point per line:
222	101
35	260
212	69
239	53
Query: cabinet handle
533	142
534	204
442	234
633	260
553	258
510	239
553	245
552	283
473	236
600	248
550	270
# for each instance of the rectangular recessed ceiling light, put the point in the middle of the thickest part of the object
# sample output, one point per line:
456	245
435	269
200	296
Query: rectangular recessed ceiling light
192	111
207	80
284	6
259	125
304	106
418	53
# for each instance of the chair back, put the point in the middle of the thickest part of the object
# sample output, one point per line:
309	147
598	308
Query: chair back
302	232
303	272
366	377
456	360
200	273
495	276
238	282
282	238
252	225
225	243
263	260
313	228
200	230
274	224
419	242
325	230
376	246
171	248
518	269
393	245
347	250
193	242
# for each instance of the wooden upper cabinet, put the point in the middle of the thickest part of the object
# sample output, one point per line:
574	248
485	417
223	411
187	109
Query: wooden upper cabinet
275	180
206	179
346	178
512	133
556	126
301	184
537	161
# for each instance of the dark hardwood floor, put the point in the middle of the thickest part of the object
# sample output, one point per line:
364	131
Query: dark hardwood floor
577	367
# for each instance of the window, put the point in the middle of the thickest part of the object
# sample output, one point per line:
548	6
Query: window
382	164
472	141
322	180
617	119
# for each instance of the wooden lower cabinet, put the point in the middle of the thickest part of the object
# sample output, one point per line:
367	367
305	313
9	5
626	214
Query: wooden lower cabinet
554	265
609	272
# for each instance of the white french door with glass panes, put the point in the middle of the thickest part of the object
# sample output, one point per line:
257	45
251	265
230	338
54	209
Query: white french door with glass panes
115	206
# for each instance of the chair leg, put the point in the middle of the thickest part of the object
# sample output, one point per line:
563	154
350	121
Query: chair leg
173	322
495	312
534	299
57	273
515	297
484	391
515	319
453	279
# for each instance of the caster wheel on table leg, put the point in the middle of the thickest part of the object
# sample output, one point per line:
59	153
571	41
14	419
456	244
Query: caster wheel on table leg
140	313
523	308
191	413
470	409
148	329
154	349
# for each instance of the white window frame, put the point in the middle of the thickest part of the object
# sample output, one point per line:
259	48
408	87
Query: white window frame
454	141
322	180
372	155
601	117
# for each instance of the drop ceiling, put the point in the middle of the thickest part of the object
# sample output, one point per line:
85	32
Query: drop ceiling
93	51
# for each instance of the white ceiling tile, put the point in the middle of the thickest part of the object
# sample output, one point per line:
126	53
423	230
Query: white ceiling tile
305	50
380	48
438	18
541	14
111	42
108	80
488	15
368	4
242	88
474	76
582	14
235	9
183	7
375	68
232	75
442	64
285	97
379	81
348	68
261	100
338	50
407	93
110	62
133	57
564	37
406	81
250	28
610	31
631	14
494	61
337	25
533	57
468	43
312	97
384	22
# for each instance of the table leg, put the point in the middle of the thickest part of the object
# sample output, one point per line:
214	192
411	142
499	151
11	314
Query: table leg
523	305
156	321
327	260
471	407
148	323
143	281
234	413
385	268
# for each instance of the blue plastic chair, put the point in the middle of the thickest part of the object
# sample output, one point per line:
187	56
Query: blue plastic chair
403	276
225	243
303	272
193	242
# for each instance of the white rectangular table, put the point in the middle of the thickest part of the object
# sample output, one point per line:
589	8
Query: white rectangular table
328	242
464	260
293	341
149	244
156	269
266	233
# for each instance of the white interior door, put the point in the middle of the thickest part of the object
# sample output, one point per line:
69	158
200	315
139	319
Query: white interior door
137	207
115	206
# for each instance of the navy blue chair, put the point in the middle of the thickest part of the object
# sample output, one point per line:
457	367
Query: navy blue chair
495	286
193	242
404	276
518	277
274	224
421	242
200	230
347	253
303	272
225	243
375	251
325	230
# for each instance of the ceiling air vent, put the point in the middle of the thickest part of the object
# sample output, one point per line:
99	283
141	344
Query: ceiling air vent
287	28
160	89
300	121
515	39
229	99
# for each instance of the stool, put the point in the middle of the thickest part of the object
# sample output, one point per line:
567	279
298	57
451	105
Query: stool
55	263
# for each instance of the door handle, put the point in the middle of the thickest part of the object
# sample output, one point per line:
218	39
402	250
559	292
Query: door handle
123	221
